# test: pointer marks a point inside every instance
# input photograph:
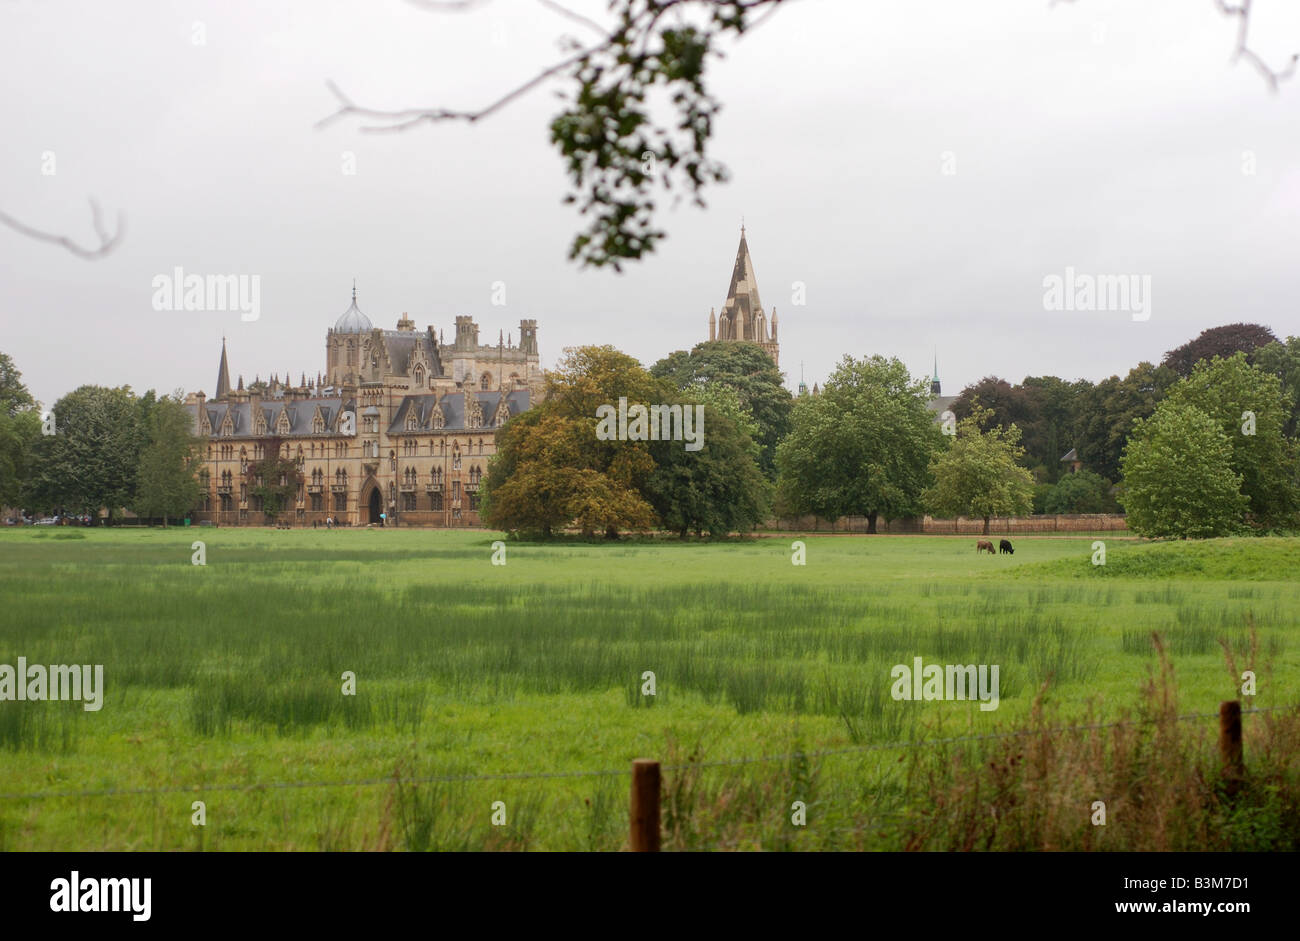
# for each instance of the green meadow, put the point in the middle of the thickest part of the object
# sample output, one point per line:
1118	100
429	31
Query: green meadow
478	683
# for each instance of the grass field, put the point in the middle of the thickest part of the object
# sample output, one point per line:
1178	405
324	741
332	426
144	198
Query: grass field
224	681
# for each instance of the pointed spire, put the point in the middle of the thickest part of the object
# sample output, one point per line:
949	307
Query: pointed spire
241	382
740	314
223	373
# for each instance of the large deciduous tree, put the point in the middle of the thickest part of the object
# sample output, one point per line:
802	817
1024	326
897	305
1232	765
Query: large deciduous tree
862	447
1107	411
1218	341
978	474
1283	360
1178	476
1246	403
553	470
20	426
165	480
750	372
91	460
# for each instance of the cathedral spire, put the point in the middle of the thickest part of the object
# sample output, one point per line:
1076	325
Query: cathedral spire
934	380
742	316
223	373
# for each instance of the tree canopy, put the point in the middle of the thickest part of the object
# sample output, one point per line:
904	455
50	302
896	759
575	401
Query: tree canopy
1178	476
746	369
553	470
978	474
861	447
1218	341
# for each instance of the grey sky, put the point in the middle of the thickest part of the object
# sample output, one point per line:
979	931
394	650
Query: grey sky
1106	136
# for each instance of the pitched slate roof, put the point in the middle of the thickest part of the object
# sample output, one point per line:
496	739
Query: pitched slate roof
243	415
941	403
453	409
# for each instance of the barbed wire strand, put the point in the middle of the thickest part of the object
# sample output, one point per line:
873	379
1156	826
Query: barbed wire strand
609	772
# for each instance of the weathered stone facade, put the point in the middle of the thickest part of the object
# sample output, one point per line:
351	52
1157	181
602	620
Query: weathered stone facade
399	424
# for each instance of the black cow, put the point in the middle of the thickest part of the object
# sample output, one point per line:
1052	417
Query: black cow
1005	546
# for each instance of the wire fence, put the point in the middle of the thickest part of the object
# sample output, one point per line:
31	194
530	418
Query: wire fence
395	779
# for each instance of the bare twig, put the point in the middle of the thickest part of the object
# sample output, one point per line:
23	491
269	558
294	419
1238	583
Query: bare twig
575	16
107	242
1273	76
408	118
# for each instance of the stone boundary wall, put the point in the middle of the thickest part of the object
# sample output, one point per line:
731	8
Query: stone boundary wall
964	526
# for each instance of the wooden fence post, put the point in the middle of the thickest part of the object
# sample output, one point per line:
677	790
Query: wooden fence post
645	806
1234	768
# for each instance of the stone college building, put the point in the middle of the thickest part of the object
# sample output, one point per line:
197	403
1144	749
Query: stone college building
399	427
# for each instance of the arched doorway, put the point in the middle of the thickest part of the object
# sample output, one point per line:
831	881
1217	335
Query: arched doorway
375	505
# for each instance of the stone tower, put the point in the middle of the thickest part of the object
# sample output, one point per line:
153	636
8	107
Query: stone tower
743	317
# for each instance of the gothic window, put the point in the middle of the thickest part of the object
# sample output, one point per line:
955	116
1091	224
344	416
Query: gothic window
455	490
408	501
205	479
352	356
455	459
419	376
243	493
485	382
261	425
282	425
340	502
392	493
413	420
392	461
435	501
318	425
300	455
259	452
316	502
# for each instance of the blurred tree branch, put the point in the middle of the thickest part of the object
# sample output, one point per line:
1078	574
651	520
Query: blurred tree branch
107	241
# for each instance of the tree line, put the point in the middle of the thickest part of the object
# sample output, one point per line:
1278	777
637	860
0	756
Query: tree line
96	448
1202	444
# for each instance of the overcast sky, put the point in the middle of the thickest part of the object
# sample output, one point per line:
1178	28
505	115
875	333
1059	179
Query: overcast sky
1111	137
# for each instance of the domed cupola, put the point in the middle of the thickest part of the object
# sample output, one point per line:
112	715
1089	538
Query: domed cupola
353	321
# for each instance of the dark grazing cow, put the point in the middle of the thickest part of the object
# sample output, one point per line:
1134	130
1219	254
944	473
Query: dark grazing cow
1005	546
982	545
